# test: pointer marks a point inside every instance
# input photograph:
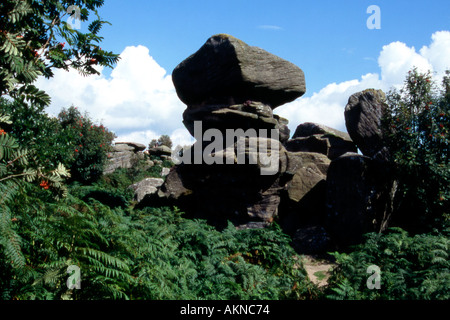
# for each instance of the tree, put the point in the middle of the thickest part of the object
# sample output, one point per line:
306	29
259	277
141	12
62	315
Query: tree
163	140
417	129
89	142
37	36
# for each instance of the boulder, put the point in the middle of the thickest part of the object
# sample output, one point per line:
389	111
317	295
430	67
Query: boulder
129	146
363	115
310	128
305	178
122	148
146	187
304	196
160	151
237	191
251	114
165	172
225	70
285	132
312	137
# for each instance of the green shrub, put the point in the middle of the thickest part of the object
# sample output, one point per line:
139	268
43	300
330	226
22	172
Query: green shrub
90	144
417	132
149	254
71	139
35	129
411	268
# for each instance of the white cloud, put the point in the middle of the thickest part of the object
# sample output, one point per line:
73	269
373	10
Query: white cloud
395	60
327	105
270	27
139	103
438	53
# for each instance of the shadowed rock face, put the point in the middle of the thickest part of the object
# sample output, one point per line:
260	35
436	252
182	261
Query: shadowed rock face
226	70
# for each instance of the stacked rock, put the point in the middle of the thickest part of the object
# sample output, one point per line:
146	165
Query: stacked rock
124	155
231	90
228	84
313	137
359	189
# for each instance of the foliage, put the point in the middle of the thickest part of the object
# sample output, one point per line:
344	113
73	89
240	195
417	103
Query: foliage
71	139
35	129
120	180
16	170
90	144
411	268
149	254
417	132
36	37
163	140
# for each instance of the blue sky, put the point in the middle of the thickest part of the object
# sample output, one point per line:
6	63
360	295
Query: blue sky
329	40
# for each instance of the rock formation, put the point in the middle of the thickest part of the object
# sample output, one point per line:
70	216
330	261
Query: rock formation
146	187
232	88
315	184
359	187
313	137
356	198
124	155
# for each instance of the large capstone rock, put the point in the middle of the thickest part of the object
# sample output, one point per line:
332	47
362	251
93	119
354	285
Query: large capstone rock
225	70
363	115
313	137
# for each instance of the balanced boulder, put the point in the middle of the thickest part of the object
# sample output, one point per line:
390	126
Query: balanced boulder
225	70
363	116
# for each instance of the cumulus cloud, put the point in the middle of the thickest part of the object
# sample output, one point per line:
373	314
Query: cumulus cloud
327	105
395	60
139	103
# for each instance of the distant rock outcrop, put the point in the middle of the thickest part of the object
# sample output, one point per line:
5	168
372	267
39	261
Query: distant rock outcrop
124	155
146	187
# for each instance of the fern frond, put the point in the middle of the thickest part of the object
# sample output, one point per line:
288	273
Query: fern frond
104	258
